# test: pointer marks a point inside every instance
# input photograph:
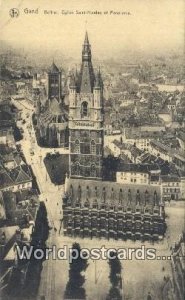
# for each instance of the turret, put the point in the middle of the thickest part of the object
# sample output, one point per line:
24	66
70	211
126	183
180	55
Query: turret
98	90
86	51
72	91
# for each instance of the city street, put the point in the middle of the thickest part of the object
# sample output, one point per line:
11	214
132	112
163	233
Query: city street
148	274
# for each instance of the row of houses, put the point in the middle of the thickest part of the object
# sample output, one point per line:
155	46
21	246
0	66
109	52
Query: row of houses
19	201
148	169
16	179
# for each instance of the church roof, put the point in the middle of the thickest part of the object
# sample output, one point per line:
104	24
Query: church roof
86	78
94	191
55	107
55	110
53	68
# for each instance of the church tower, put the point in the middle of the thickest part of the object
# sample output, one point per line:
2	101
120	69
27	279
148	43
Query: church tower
86	119
54	89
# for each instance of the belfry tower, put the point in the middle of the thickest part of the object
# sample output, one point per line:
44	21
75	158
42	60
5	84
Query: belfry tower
86	119
54	89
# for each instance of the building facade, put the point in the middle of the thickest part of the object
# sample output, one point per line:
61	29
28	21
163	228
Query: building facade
52	118
86	120
171	187
93	207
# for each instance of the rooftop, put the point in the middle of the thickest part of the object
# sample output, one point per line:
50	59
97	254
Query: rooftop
138	168
17	175
111	193
170	178
53	68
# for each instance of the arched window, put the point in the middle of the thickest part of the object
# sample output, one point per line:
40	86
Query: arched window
84	109
79	193
146	197
103	195
77	146
138	198
93	147
120	196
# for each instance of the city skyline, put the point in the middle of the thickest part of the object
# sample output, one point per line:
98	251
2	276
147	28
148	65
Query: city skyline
148	27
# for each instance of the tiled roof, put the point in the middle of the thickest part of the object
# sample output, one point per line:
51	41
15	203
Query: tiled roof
138	134
110	192
170	178
18	175
123	146
55	110
86	78
5	179
181	135
141	168
21	174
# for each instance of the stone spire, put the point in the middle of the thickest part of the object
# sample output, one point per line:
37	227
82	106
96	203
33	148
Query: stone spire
86	80
72	82
98	80
86	41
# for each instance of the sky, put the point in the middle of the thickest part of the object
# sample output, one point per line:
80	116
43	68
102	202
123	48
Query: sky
154	26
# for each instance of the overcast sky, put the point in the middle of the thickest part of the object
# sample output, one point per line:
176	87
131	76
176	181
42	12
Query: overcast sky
152	26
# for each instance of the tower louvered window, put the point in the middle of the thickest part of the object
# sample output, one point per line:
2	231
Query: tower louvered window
93	147
77	146
84	109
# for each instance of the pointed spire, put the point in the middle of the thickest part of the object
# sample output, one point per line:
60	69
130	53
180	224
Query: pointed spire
72	83
98	80
86	49
86	41
53	68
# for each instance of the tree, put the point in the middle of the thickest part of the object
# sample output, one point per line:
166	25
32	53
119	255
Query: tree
115	278
114	293
41	230
115	270
74	287
17	134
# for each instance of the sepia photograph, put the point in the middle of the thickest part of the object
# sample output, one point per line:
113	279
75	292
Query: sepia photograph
92	143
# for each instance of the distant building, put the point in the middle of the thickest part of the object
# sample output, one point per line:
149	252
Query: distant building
171	187
52	119
181	139
6	136
179	160
18	178
122	149
138	174
2	208
159	149
141	139
21	206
